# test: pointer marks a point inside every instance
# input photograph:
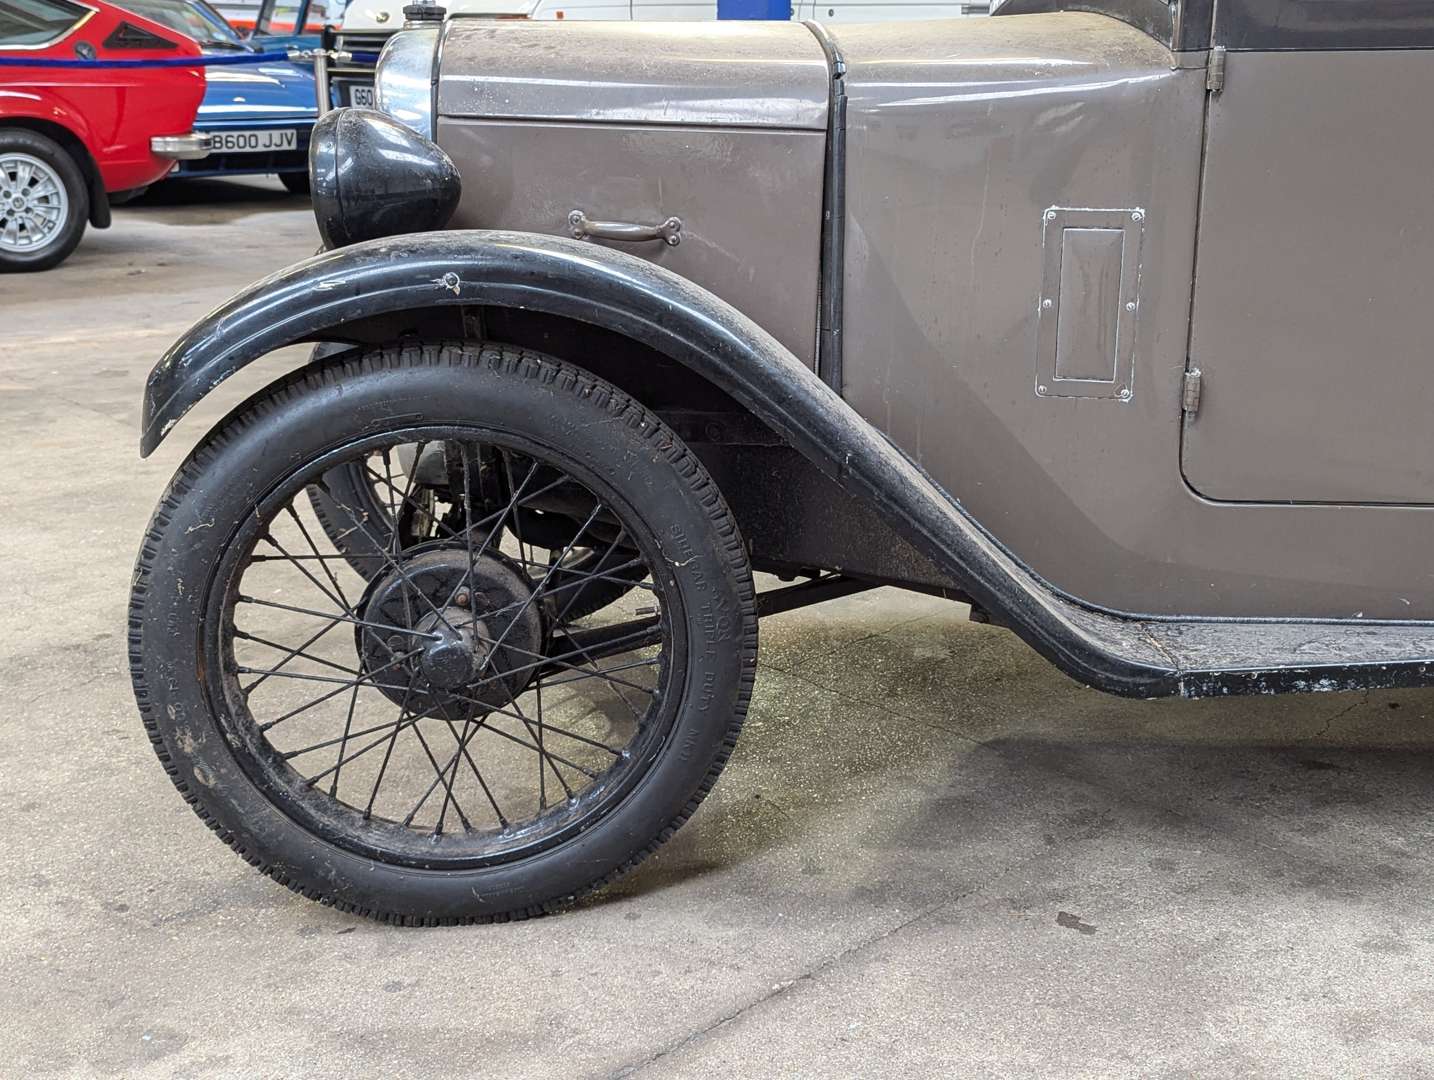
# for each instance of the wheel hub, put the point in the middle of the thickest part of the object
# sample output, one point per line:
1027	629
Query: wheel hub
443	642
453	657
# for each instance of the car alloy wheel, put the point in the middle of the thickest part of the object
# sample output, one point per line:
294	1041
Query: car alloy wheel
34	207
44	201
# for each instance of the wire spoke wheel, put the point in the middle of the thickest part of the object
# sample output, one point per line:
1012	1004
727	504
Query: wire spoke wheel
445	708
433	725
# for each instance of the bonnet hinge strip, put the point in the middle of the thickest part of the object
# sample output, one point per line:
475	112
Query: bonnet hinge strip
1215	70
833	247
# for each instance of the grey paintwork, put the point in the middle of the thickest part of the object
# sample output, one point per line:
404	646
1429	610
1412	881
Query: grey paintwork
734	74
983	128
961	136
638	122
1311	326
764	264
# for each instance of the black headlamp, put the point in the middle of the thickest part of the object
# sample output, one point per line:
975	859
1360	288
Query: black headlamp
371	176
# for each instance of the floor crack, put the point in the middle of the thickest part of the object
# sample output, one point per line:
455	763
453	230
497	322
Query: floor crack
1325	727
827	964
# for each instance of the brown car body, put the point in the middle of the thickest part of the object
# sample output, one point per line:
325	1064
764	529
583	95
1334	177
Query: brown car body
1108	320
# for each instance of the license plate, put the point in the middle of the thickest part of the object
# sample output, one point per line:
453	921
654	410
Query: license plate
361	96
257	141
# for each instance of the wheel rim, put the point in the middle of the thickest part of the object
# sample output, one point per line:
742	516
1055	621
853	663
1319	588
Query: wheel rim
34	206
399	716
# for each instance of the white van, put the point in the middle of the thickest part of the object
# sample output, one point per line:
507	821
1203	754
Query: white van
367	24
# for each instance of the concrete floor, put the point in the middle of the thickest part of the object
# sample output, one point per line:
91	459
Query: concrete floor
931	854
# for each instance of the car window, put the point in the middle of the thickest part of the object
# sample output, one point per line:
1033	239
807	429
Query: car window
37	22
283	18
193	19
293	16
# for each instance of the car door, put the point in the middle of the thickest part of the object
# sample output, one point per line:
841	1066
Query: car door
1314	281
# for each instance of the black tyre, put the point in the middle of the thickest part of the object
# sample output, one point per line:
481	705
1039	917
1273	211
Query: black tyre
44	201
296	182
438	742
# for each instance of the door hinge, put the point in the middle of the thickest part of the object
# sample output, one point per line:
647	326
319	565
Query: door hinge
1190	393
1215	70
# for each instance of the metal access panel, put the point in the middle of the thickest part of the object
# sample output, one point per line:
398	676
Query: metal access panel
1314	282
1089	302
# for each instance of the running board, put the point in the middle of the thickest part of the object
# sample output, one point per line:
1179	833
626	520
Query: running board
1207	658
1130	655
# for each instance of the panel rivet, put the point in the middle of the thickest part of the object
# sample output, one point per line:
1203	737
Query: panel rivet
1040	388
1050	215
1047	303
1125	393
1130	305
1136	215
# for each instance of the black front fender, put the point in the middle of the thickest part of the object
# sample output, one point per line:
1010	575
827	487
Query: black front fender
649	304
312	299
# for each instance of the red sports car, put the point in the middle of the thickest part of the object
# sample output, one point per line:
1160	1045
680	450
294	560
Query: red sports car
71	136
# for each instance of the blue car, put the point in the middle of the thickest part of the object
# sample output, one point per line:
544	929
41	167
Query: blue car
259	116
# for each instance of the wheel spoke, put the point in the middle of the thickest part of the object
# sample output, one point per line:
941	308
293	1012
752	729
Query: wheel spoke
554	591
604	673
397	536
397	725
496	530
339	740
477	775
561	616
367	678
527	745
337	618
439	778
393	740
533	597
344	741
342	605
305	676
391	561
543	661
543	753
404	500
338	589
289	654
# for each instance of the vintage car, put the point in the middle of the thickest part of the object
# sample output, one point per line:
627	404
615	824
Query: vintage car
1068	315
87	117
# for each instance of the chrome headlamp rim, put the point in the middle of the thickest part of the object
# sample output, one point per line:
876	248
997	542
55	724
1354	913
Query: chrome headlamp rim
405	77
